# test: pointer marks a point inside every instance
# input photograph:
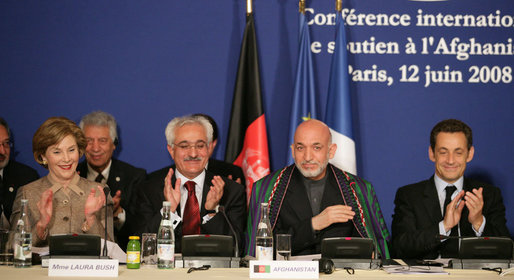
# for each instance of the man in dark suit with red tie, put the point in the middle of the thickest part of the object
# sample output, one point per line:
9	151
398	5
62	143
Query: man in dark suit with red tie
447	204
195	193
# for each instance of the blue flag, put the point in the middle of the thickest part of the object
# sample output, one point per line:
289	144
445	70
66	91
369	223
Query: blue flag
304	97
338	114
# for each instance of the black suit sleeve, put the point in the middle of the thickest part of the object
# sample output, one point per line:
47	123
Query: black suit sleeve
303	235
136	177
15	176
494	212
146	205
225	169
413	236
125	178
304	239
148	217
234	201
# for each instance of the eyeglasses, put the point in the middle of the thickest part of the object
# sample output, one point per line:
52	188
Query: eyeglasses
7	144
188	146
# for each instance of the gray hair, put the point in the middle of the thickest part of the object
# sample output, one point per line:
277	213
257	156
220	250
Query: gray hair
3	122
190	119
99	118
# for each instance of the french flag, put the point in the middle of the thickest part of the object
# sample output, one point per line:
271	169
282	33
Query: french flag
338	113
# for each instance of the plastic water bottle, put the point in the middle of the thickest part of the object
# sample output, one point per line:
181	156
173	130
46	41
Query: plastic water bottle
166	240
23	238
264	238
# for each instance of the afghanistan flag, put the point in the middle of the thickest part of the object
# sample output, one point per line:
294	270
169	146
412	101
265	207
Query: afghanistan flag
247	144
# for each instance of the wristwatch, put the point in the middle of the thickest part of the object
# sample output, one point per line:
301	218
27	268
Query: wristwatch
214	211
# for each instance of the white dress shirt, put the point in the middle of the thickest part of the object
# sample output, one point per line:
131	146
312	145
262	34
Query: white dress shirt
441	185
199	182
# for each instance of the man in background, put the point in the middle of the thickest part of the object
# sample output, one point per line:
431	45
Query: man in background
13	175
219	167
100	129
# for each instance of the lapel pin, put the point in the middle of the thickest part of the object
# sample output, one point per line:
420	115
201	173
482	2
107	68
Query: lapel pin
118	179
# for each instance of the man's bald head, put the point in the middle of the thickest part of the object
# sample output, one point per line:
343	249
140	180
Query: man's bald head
314	126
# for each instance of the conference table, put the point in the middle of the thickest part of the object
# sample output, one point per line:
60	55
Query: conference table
37	272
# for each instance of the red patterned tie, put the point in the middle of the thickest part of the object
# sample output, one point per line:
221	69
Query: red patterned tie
191	216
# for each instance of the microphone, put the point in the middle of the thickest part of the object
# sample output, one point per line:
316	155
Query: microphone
1	214
106	192
236	250
444	237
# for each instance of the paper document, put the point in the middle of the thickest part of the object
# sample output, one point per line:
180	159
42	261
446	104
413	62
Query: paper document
114	251
418	269
305	257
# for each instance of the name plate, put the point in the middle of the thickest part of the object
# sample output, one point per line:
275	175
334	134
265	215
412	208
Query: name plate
83	267
284	269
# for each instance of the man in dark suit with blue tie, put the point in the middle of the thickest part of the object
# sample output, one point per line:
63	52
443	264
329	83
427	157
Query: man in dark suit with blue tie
447	204
121	177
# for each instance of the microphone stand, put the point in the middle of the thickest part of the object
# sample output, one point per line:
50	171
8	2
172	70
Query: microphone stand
104	252
236	249
1	216
220	261
376	259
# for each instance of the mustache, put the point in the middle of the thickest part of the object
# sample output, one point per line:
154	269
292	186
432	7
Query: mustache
310	162
2	157
193	158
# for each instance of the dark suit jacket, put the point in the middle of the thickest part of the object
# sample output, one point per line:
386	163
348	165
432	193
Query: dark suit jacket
225	169
124	177
417	214
296	214
151	195
15	176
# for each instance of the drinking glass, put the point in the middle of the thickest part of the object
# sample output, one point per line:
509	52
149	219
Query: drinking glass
6	250
149	249
283	247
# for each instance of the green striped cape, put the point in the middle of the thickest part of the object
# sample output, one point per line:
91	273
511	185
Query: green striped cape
356	192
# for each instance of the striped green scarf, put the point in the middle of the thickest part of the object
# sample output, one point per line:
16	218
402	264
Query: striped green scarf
356	192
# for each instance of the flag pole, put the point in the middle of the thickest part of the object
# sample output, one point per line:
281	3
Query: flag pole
303	106
248	7
338	113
